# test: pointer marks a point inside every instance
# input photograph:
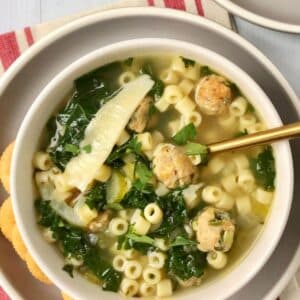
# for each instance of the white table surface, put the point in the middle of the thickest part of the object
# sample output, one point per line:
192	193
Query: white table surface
282	48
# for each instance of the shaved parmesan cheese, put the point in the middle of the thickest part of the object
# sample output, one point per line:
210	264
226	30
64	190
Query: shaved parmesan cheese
104	130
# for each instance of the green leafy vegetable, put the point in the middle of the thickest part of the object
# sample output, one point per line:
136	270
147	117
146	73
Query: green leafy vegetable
241	133
140	238
205	71
67	128
75	242
187	62
139	196
131	146
143	173
128	61
87	148
182	241
158	87
197	149
184	135
72	149
185	265
141	243
263	168
174	211
69	269
96	196
250	108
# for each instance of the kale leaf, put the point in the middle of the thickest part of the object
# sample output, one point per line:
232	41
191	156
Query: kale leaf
182	241
205	71
187	62
263	168
132	146
174	211
197	149
75	242
69	269
139	196
96	196
158	87
185	265
92	90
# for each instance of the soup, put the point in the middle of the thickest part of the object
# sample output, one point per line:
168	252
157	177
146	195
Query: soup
127	189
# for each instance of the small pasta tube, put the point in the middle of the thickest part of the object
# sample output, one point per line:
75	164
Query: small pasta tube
246	180
162	105
212	194
238	107
42	161
192	72
194	117
255	127
178	65
146	289
241	161
168	76
141	226
217	259
216	164
124	214
228	121
229	183
161	189
130	253
262	196
126	77
243	205
118	226
129	287
247	120
85	213
192	195
133	269
151	275
146	141
164	288
189	230
186	86
153	213
119	262
103	174
226	202
161	244
156	259
185	106
195	159
136	214
123	138
172	94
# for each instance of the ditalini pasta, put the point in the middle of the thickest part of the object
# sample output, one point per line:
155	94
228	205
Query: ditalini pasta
126	188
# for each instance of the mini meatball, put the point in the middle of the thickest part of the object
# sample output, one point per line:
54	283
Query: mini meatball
172	167
214	230
213	95
138	121
101	222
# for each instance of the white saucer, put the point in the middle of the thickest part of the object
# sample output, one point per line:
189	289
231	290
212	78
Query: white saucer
282	15
25	79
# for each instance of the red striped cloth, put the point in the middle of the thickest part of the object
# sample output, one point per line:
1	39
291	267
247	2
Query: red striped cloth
13	44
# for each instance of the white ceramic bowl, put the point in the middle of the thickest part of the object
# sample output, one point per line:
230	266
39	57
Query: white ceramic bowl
50	260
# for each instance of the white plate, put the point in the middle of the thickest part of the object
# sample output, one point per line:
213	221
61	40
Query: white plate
283	15
25	79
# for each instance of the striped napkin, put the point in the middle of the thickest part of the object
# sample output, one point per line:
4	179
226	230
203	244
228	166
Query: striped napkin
13	44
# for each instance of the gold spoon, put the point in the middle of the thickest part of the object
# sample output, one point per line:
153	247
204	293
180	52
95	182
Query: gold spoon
258	138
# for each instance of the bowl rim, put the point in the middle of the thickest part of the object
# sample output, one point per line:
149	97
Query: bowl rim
65	74
257	18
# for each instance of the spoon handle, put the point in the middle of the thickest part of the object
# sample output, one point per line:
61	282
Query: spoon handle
258	138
